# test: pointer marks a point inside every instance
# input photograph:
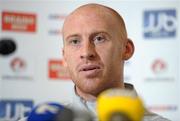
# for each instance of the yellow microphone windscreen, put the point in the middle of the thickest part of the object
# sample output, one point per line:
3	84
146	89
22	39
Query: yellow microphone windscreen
119	105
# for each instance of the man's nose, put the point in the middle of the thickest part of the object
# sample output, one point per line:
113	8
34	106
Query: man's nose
88	51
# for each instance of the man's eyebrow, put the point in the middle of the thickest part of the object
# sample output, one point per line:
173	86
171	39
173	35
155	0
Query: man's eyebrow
72	35
101	32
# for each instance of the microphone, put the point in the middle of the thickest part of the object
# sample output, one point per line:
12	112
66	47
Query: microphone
57	112
45	112
7	46
119	105
74	115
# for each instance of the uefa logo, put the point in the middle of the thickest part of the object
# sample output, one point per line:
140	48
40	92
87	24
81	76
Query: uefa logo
160	23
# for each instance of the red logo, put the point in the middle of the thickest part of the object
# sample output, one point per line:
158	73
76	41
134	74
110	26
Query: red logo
159	66
18	65
57	70
13	21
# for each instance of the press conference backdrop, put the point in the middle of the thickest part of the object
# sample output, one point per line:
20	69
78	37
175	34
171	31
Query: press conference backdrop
34	73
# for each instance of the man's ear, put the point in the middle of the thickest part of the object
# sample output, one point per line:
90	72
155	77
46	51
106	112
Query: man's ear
64	59
129	49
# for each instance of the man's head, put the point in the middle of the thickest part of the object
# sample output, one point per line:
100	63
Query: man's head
95	48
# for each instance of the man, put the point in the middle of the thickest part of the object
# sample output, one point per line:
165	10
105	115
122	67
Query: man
95	48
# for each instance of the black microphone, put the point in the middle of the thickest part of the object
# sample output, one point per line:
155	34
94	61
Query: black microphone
73	115
7	46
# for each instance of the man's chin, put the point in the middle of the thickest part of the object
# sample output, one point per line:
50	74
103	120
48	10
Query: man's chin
90	86
91	90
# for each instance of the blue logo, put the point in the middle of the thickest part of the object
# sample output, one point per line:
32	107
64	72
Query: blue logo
12	110
160	23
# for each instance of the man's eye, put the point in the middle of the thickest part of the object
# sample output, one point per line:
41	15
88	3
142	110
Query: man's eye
99	39
74	41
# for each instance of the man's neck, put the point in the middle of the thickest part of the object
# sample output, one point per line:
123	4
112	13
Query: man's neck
91	97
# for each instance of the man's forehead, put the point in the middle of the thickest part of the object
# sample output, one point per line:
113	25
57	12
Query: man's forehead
96	11
90	13
92	9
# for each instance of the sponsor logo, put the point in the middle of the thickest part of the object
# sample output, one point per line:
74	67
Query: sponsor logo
12	110
56	20
19	70
57	70
160	71
18	65
55	32
160	23
159	66
161	108
57	16
15	21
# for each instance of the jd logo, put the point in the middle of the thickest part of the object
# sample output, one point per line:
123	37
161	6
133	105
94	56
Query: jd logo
160	23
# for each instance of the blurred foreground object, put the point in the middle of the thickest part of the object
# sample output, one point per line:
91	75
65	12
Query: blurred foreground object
57	112
119	105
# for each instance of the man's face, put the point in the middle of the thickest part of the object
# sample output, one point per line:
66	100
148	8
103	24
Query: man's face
93	51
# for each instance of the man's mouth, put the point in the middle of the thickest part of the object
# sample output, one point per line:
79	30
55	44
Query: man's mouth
90	70
89	67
